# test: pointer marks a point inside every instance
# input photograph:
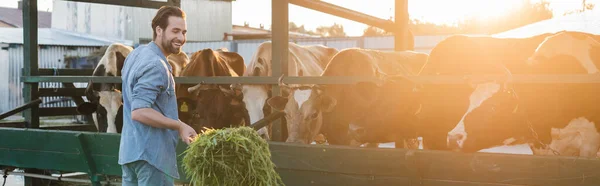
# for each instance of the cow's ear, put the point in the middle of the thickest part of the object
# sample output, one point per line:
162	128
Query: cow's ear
277	102
87	108
327	103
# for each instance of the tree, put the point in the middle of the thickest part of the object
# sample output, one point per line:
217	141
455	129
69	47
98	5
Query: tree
374	31
335	30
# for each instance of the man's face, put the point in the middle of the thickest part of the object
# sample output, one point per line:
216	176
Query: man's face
173	37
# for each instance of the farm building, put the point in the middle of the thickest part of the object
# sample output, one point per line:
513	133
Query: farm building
13	17
129	23
57	49
588	21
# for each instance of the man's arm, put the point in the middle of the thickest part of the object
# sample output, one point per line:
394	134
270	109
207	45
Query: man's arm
153	118
151	81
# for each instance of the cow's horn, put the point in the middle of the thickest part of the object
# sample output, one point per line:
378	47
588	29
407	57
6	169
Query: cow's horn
199	86
227	91
281	84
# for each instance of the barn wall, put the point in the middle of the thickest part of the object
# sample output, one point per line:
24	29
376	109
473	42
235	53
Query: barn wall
49	57
207	20
4	79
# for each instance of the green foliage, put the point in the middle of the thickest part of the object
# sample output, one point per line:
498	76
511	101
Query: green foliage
230	156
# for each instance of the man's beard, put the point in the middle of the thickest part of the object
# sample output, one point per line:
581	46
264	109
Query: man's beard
168	45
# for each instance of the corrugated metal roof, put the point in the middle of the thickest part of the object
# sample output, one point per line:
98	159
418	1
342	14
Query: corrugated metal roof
588	21
49	36
14	16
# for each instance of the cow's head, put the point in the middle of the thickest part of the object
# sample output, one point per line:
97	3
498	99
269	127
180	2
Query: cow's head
105	99
493	116
216	106
212	105
577	45
303	109
391	114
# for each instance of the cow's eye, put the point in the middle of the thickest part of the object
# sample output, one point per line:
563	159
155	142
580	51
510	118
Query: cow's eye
314	115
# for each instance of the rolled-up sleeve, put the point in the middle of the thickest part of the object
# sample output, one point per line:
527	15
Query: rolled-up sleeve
150	81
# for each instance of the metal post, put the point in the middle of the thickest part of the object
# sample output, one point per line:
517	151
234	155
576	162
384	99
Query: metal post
30	68
402	39
280	39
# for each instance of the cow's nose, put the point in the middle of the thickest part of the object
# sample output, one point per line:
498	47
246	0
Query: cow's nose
454	141
531	61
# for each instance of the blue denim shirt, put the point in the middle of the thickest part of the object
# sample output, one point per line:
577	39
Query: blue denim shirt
148	83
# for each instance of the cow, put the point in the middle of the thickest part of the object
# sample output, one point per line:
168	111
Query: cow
335	106
105	100
579	47
178	62
530	113
212	105
309	60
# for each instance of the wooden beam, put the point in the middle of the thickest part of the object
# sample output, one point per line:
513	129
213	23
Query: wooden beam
280	22
402	39
342	12
134	3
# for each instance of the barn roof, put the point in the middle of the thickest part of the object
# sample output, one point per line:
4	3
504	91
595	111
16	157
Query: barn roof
588	21
14	17
50	36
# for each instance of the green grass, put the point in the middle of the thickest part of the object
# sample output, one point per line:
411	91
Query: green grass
230	156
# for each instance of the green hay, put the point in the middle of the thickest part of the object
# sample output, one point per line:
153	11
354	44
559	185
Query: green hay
230	156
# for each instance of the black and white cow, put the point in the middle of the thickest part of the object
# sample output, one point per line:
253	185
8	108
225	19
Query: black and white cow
105	99
529	113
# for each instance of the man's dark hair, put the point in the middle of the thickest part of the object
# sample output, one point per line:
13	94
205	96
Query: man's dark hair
161	18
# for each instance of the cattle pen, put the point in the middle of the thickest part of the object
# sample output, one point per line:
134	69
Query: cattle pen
72	149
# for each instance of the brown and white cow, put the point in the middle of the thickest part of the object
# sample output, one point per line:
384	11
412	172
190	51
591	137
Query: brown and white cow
178	62
212	105
534	109
307	60
105	99
335	106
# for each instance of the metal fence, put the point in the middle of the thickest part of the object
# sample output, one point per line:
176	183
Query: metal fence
246	48
49	57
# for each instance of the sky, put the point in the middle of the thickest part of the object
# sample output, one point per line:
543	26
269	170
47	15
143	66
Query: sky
257	12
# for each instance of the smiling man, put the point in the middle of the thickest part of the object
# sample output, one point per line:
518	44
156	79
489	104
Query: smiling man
151	125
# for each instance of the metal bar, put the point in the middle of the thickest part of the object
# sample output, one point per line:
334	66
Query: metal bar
517	79
20	108
335	10
30	56
65	72
72	127
73	92
401	36
87	159
266	120
279	66
17	124
59	111
133	3
30	68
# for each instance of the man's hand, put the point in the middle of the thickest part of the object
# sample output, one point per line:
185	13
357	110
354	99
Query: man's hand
186	133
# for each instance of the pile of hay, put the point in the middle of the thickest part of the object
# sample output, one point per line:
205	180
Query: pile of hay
230	156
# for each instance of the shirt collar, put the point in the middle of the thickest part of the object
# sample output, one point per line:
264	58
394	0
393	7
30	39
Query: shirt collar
157	50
